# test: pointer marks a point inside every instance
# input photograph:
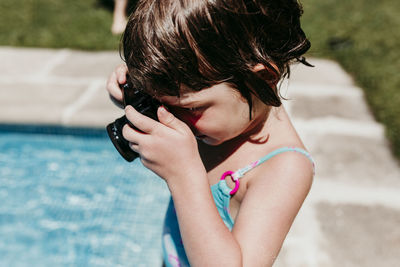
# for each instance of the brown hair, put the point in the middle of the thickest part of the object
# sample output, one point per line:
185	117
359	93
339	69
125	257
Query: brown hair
200	43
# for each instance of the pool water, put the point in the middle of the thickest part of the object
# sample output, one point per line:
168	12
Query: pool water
68	199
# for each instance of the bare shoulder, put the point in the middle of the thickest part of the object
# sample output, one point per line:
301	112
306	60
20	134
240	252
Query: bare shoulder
284	180
291	168
274	196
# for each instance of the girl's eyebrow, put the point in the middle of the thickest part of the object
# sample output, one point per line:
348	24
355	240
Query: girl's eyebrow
175	101
189	103
186	99
189	99
198	96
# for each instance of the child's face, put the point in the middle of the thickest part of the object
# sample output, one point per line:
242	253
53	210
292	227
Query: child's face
216	114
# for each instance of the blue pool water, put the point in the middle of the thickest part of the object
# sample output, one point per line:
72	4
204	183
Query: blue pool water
68	199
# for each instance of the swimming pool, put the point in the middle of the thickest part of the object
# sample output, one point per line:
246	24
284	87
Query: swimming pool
68	199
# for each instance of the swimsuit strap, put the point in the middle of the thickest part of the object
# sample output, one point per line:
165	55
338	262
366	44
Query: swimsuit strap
239	173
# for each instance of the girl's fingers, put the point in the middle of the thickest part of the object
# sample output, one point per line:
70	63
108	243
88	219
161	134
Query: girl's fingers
167	118
113	87
140	121
117	102
121	72
117	77
134	147
132	135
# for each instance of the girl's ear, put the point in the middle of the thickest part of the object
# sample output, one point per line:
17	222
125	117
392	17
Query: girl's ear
271	76
260	67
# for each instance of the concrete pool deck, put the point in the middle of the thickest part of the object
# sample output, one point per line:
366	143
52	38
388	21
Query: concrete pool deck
352	215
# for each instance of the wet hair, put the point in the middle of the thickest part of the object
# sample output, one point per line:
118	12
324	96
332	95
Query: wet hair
200	43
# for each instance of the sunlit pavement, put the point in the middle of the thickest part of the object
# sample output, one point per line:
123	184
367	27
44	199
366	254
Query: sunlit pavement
352	215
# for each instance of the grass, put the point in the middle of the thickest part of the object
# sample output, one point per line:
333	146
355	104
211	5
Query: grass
362	35
57	24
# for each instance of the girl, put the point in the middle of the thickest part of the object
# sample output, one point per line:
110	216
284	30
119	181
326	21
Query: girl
237	171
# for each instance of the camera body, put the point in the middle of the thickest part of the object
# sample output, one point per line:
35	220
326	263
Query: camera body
144	104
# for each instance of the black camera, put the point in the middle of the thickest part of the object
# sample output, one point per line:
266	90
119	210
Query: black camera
144	104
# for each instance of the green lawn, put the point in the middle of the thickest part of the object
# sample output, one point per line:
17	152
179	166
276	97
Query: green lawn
80	24
362	35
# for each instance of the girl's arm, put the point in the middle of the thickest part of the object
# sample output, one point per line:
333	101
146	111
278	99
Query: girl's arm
271	203
207	241
272	200
170	150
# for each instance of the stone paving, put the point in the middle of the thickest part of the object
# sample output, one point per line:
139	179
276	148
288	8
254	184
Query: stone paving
352	215
59	87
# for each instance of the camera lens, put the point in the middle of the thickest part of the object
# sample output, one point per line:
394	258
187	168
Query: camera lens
114	131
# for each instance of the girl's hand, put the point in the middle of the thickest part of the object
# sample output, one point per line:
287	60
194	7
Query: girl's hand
117	77
167	147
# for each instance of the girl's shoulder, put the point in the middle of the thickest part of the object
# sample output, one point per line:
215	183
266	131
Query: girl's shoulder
284	156
285	167
273	195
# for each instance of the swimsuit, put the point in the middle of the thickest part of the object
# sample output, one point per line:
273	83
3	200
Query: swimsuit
173	250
